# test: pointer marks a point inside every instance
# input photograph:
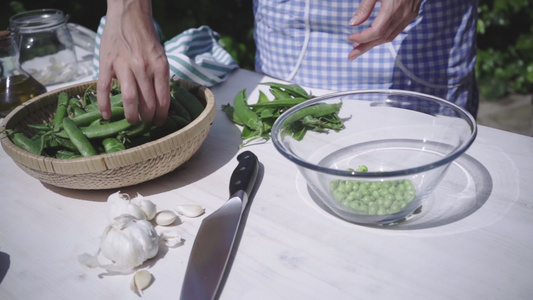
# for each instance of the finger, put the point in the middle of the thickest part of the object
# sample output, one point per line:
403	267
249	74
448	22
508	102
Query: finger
363	12
360	49
162	91
128	89
147	99
381	27
103	86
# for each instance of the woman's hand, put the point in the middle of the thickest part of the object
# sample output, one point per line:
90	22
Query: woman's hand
393	17
131	52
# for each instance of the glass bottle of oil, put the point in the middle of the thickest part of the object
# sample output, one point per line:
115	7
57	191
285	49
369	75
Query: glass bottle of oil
16	86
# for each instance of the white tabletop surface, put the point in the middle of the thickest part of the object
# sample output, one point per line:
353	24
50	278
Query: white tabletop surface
475	242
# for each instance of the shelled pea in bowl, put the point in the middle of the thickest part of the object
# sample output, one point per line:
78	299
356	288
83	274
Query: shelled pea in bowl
388	152
61	139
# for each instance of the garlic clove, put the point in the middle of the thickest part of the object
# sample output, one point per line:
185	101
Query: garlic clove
135	211
117	204
165	217
172	239
191	211
141	280
146	205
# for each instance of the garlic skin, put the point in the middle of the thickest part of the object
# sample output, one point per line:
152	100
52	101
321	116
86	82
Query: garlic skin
171	239
128	243
165	217
191	211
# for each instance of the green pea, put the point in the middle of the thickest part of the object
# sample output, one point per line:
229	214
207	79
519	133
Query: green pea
409	196
395	207
334	184
351	196
392	189
363	208
374	186
387	203
399	196
339	194
366	199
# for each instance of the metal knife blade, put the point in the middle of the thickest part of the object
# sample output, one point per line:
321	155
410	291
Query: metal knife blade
213	244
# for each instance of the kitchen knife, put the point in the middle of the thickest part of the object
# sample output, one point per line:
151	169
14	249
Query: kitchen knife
213	244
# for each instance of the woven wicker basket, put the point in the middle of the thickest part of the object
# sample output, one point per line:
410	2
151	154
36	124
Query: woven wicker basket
106	171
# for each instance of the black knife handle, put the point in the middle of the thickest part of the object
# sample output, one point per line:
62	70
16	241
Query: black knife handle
245	174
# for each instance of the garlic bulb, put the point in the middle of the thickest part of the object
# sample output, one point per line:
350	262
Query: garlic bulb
191	211
127	243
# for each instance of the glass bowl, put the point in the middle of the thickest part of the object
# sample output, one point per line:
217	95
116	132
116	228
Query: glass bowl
406	140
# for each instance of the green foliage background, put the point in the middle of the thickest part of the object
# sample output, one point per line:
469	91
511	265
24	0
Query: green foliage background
505	33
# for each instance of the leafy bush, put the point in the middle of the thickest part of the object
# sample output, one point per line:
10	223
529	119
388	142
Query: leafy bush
505	47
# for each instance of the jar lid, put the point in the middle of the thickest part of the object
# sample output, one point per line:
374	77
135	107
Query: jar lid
37	20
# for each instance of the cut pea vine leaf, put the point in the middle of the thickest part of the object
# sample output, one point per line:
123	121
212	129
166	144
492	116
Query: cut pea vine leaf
257	119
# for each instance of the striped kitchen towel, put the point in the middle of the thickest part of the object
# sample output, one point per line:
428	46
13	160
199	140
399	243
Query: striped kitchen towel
193	55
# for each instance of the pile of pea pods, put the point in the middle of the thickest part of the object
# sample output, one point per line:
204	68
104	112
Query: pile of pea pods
78	129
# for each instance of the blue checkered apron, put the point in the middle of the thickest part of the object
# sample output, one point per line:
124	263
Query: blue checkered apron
305	41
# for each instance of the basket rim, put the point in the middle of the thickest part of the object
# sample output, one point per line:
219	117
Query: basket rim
208	114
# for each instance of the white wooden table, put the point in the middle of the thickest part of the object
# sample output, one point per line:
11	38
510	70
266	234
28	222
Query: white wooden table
474	240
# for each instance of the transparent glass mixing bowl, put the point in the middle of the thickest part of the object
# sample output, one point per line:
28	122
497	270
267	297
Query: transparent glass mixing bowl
407	140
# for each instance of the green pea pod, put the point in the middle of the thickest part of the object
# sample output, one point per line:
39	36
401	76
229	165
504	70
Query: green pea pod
230	112
105	130
89	117
179	109
114	101
283	103
26	143
74	102
187	99
315	110
112	145
180	122
263	98
65	154
66	143
61	110
279	93
293	89
77	137
245	114
137	129
43	127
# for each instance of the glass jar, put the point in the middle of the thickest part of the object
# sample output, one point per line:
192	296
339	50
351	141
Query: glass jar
16	86
46	46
